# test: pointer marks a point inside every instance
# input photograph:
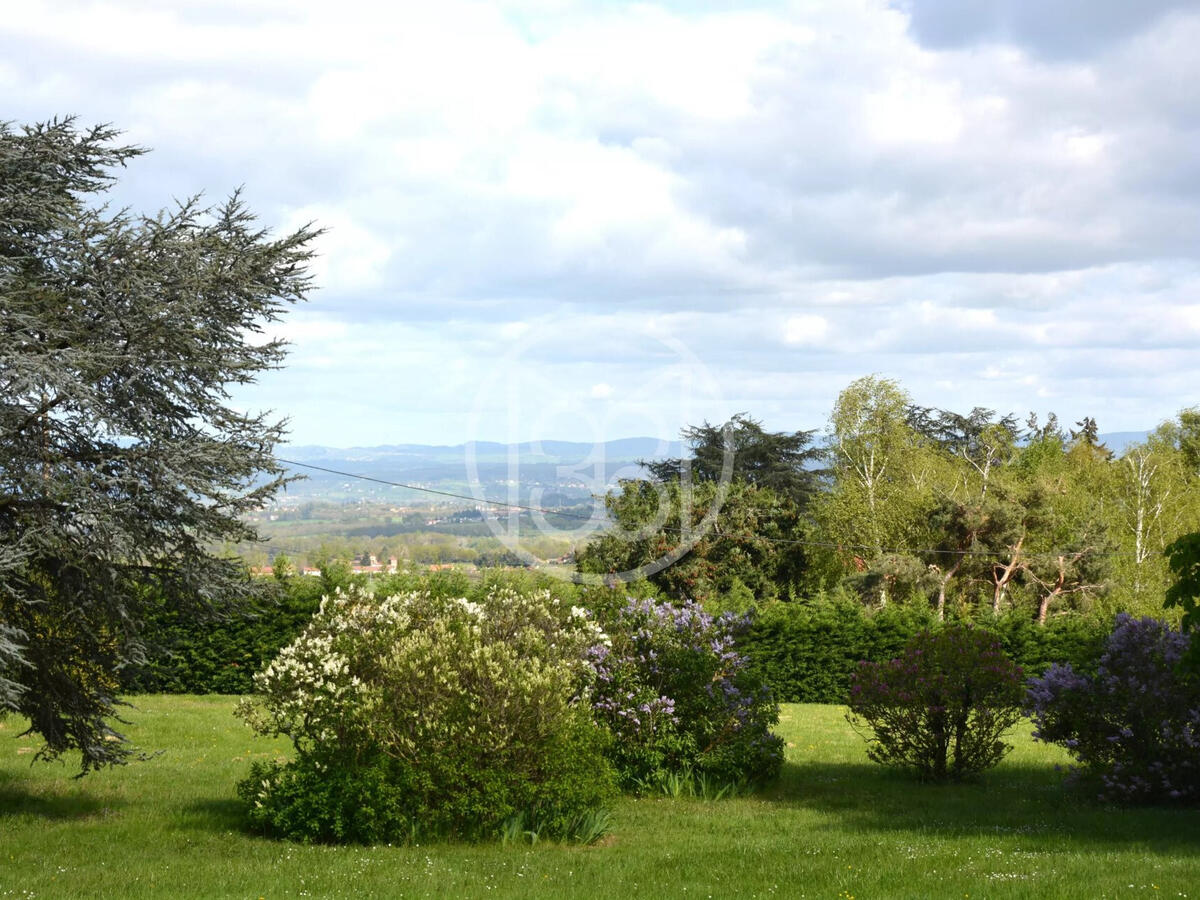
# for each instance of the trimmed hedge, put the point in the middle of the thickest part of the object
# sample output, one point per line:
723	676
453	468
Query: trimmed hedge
808	653
186	655
805	651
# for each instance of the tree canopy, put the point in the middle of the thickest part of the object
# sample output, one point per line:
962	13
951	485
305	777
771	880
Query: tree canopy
785	462
747	550
963	514
123	460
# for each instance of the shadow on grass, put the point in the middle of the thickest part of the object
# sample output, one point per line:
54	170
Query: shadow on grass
217	814
19	798
1012	799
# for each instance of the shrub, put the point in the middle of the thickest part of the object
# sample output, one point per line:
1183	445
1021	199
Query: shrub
942	706
680	700
437	715
808	651
1135	723
306	800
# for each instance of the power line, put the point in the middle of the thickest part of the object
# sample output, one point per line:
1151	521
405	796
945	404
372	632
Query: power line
827	545
429	490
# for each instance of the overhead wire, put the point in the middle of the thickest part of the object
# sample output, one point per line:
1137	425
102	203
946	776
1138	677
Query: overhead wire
732	535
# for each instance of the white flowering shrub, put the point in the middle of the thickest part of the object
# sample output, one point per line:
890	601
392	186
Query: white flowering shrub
422	715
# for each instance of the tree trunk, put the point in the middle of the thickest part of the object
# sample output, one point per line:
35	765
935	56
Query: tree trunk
945	581
1002	575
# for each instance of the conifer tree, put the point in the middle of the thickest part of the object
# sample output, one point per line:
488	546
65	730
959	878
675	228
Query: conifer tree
123	461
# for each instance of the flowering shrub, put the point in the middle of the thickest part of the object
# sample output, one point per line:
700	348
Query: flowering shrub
678	698
431	715
1136	723
942	706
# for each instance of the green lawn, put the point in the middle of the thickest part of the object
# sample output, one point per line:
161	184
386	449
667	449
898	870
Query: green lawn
834	826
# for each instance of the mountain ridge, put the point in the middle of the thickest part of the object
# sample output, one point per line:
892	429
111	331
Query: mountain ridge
573	471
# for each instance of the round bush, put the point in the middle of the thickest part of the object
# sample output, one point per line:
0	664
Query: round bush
679	699
941	708
1135	724
440	716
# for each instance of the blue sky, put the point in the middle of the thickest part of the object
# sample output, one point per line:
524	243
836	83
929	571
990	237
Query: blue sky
588	221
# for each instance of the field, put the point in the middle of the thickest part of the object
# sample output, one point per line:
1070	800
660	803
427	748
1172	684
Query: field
834	826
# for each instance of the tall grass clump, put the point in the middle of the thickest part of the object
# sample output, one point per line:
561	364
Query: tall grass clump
421	715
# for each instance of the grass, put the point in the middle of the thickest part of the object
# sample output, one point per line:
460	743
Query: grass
834	826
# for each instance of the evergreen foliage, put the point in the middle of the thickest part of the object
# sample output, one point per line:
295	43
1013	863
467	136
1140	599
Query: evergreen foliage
783	461
186	654
122	458
808	652
719	517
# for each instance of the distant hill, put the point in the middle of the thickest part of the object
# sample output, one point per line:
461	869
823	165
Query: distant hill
567	472
544	451
554	473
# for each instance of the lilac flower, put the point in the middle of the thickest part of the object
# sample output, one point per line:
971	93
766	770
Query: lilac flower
1135	723
678	695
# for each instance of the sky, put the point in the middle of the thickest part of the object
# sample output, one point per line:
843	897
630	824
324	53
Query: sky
588	221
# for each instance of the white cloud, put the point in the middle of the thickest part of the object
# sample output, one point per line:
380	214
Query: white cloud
805	329
914	111
349	257
986	214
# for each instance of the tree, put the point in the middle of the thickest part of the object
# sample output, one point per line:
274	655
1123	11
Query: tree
977	541
883	478
978	438
1088	436
780	460
122	457
1184	557
1069	520
770	480
745	548
1154	501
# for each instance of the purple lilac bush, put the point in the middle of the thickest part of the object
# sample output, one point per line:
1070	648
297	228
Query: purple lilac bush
1135	725
678	697
941	708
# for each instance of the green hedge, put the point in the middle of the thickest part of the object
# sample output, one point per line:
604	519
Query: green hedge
807	652
186	655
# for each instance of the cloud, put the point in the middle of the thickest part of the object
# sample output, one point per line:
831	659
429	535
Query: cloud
1060	29
806	329
793	195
